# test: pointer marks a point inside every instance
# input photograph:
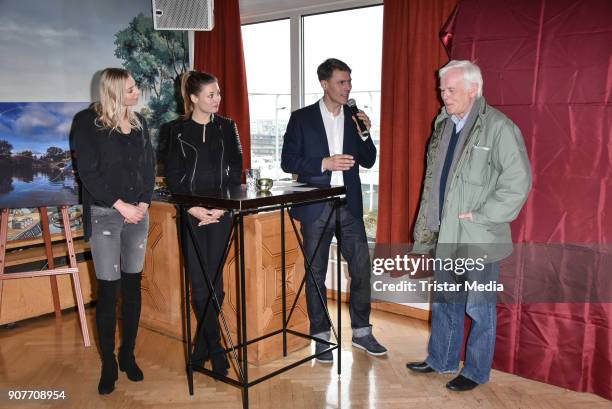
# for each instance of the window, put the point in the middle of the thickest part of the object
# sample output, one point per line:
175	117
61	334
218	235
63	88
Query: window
354	36
268	79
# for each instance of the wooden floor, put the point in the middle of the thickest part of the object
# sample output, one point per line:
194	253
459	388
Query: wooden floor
46	354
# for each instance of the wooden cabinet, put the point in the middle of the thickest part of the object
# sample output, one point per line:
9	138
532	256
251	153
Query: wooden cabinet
163	282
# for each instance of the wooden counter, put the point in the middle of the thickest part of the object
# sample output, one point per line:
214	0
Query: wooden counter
163	305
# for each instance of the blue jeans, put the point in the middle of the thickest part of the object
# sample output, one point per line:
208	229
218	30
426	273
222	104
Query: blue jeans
447	323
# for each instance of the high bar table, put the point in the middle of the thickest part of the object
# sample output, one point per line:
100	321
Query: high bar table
240	203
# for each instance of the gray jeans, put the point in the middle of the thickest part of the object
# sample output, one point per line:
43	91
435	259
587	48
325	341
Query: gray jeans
115	243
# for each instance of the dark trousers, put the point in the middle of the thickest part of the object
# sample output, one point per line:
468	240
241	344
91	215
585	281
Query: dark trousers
354	248
210	240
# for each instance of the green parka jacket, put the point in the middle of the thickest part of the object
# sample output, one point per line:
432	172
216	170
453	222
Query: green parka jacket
492	179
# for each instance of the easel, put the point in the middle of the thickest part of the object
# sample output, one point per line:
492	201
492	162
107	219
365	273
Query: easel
52	272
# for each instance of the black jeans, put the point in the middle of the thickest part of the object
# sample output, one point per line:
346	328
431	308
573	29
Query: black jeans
354	248
210	240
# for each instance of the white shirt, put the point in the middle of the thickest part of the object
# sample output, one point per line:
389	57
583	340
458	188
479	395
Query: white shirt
334	129
460	122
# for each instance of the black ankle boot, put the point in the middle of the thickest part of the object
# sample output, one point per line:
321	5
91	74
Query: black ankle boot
106	320
130	315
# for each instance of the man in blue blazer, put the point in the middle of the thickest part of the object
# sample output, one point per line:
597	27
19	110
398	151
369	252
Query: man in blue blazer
323	146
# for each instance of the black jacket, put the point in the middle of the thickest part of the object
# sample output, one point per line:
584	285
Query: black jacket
111	165
196	167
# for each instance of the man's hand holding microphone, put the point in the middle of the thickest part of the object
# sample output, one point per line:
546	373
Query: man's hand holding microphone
342	162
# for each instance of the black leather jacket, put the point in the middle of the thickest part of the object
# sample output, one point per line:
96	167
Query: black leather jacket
195	165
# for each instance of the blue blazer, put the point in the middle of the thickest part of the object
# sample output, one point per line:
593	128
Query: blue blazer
304	147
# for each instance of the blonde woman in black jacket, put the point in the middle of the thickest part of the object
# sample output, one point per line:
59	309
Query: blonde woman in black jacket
204	155
116	167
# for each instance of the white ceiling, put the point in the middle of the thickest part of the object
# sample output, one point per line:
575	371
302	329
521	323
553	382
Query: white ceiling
251	10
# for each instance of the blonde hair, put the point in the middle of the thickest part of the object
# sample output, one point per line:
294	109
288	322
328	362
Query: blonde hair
191	84
110	108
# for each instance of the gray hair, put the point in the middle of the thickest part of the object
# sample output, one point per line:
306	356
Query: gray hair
471	73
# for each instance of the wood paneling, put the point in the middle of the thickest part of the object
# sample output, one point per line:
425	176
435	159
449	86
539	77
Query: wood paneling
264	277
162	280
31	297
399	309
162	283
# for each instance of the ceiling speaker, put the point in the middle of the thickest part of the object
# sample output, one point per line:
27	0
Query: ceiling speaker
197	15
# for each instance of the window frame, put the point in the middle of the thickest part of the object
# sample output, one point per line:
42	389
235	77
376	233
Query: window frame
296	40
296	44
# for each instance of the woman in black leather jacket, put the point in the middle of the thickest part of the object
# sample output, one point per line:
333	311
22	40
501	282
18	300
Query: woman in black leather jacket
204	155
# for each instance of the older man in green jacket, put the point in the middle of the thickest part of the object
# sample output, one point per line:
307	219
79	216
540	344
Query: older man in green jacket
477	179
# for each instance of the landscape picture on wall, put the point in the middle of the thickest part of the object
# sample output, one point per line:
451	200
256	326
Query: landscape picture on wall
35	160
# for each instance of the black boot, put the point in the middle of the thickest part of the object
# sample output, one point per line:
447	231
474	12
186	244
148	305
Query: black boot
220	364
207	342
130	314
200	352
106	320
212	334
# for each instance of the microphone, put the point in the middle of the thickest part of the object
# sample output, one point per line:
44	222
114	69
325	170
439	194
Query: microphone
360	125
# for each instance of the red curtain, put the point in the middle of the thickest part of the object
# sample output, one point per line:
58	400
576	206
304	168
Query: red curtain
220	53
547	65
412	53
